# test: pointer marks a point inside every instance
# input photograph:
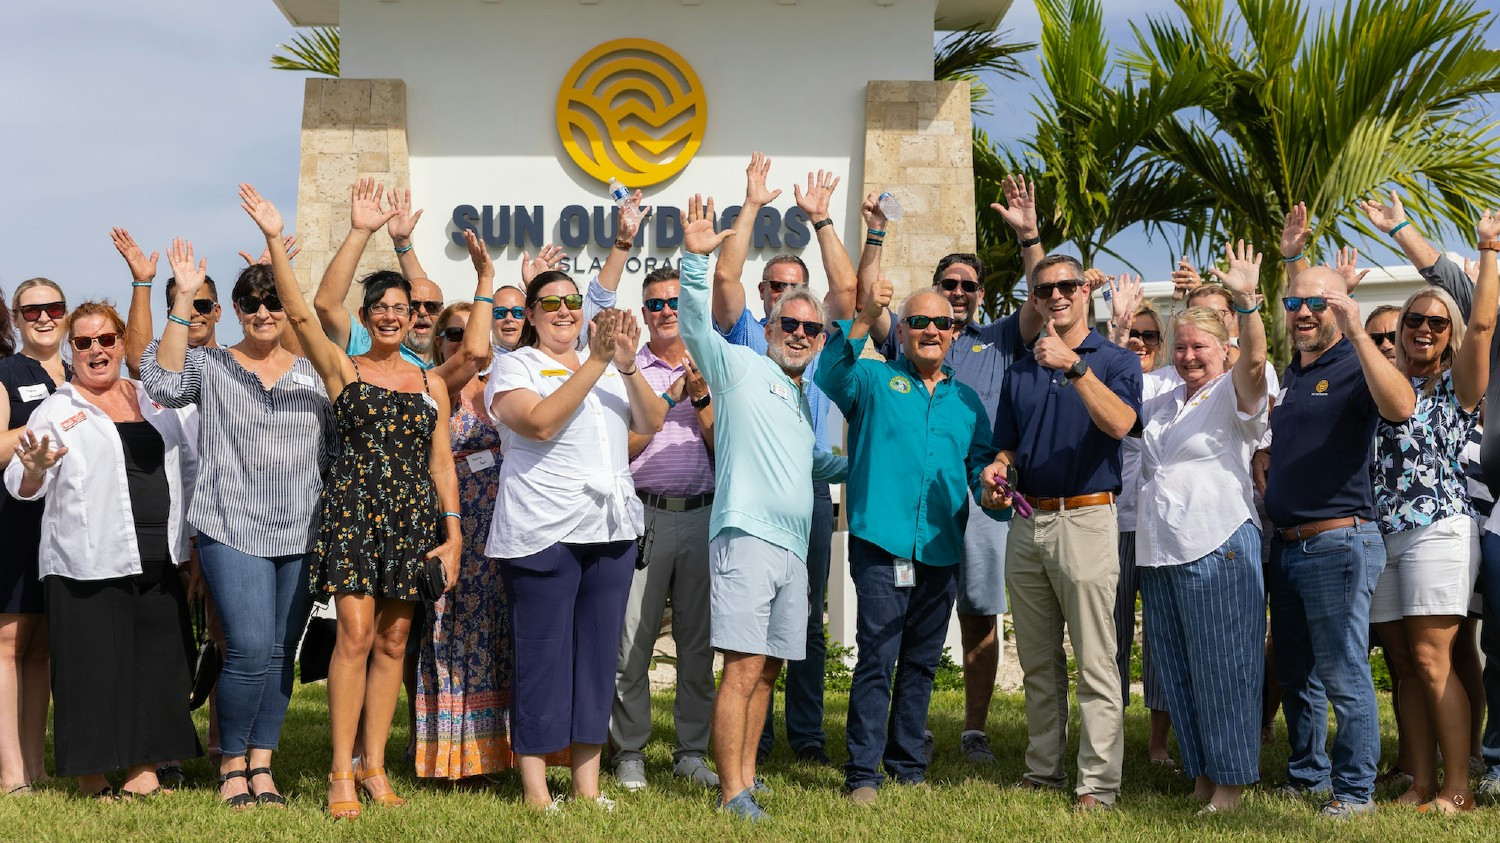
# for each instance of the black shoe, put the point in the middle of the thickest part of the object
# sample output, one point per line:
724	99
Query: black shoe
814	754
239	800
170	776
268	797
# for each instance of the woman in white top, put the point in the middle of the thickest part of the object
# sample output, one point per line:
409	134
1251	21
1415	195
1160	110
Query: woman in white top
565	523
1198	540
113	534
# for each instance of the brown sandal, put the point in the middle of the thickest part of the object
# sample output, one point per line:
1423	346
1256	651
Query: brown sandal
389	799
348	810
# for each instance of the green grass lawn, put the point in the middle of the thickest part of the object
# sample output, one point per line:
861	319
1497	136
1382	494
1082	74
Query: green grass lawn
964	803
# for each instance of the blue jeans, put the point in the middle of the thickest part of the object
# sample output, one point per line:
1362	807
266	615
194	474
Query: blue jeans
1489	643
804	679
1320	619
899	630
263	605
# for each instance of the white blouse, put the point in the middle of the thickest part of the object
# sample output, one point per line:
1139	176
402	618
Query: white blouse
1195	472
575	487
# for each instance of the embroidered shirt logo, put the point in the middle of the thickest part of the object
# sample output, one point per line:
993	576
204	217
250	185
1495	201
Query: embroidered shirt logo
900	384
1321	388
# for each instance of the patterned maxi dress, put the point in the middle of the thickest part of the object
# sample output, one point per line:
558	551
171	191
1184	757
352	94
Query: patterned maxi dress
463	673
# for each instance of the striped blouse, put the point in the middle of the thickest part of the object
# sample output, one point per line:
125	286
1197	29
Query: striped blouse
261	453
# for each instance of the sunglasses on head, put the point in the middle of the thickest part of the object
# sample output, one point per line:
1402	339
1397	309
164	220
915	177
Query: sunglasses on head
53	309
809	329
204	306
85	343
511	312
1147	337
250	305
1067	288
656	305
1384	336
1317	304
452	334
951	284
551	304
918	323
432	307
1438	324
781	286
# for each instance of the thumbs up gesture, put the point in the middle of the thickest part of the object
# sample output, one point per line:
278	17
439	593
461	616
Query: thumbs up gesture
1050	350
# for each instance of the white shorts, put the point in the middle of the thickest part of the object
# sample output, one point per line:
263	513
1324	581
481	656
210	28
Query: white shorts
757	597
1428	571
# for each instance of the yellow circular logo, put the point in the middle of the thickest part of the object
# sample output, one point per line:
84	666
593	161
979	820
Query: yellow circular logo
1322	387
900	384
631	109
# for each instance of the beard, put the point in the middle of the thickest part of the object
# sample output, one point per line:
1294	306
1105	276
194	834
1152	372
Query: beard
419	344
1321	340
790	364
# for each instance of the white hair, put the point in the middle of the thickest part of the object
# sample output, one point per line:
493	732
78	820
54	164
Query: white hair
797	294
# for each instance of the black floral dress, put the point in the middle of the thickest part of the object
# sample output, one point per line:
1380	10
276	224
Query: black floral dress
379	510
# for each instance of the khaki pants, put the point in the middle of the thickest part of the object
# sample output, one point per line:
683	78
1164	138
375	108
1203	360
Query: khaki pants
1062	568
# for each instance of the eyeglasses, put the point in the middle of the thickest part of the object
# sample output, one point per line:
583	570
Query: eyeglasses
509	312
53	309
1384	336
781	286
1147	337
951	284
452	334
85	343
551	304
917	323
432	307
251	304
809	329
205	306
1317	304
656	305
1438	324
380	308
1067	288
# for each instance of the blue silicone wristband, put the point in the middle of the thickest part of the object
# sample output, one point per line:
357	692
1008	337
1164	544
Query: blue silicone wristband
172	317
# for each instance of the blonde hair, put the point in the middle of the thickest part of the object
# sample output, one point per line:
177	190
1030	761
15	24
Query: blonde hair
1155	315
15	298
1207	320
442	325
1455	333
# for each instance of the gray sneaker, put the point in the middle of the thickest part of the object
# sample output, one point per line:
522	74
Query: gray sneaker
1489	788
759	788
630	774
1335	809
976	749
695	769
1292	790
929	746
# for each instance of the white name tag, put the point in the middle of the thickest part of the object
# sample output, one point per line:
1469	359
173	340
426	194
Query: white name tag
305	380
479	461
780	391
906	573
35	392
431	402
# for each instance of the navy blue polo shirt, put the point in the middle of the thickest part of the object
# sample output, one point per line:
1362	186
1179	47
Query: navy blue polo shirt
978	356
1059	450
1322	433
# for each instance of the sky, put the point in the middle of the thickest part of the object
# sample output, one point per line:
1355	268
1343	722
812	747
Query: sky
147	116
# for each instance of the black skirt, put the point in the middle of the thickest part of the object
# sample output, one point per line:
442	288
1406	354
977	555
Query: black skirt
120	676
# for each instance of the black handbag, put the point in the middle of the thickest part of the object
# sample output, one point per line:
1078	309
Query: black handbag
209	661
433	580
317	649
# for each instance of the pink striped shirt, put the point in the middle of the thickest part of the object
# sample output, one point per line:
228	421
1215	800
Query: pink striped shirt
675	463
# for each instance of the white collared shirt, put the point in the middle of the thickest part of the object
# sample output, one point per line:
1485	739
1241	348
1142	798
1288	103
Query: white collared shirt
575	487
1195	472
88	527
1153	383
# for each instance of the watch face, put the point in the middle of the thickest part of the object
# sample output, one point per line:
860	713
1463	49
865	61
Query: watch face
1077	369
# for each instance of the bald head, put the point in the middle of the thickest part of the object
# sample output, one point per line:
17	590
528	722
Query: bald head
925	298
1314	280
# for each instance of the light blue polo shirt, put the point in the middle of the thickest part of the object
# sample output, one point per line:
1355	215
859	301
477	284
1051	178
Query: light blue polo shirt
359	343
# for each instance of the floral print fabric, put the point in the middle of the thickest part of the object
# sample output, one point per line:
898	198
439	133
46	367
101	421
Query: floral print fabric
1418	471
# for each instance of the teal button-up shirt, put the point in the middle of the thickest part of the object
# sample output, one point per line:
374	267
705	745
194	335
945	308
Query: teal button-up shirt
914	456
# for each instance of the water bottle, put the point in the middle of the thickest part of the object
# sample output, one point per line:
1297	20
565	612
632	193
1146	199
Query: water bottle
890	207
620	195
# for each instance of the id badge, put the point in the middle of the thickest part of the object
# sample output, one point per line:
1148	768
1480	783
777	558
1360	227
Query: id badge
906	573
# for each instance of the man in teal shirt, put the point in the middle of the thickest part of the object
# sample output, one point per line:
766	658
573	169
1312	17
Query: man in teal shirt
918	442
762	510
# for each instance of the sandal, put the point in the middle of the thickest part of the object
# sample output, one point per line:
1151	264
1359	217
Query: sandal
269	797
1455	804
389	799
239	800
104	794
348	810
170	776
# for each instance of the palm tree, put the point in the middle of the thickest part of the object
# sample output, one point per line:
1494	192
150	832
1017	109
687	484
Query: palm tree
1382	93
316	52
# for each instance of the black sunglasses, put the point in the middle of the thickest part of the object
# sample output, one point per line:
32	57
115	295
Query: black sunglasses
512	312
432	307
951	284
656	305
1438	324
53	309
1384	336
917	323
204	306
85	343
551	304
452	334
1147	337
1067	288
250	305
809	329
1317	304
780	286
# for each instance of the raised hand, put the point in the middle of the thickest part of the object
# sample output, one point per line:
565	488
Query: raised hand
265	256
1019	209
756	192
627	339
261	210
1471	269
1345	312
142	268
1348	266
698	236
1125	298
189	277
365	212
1488	227
631	217
35	455
602	336
870	210
1295	231
1185	278
547	258
697	387
820	189
1243	277
479	255
877	299
1382	216
403	221
1096	279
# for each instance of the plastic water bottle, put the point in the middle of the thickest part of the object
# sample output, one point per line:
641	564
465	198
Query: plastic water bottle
890	207
620	195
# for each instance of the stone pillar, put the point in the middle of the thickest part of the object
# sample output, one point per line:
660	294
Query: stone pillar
351	129
919	146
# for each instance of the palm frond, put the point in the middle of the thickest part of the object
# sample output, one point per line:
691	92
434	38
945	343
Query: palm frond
964	55
314	52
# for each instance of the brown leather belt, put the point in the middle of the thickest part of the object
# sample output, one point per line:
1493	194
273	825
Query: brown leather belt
1074	502
1312	528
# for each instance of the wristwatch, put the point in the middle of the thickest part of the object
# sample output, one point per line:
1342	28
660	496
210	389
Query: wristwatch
1077	370
700	403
